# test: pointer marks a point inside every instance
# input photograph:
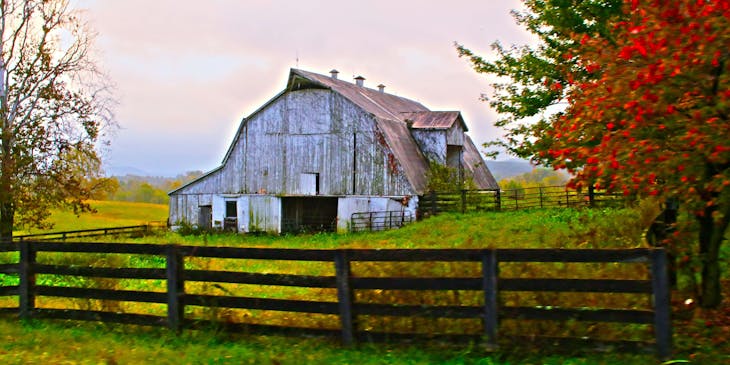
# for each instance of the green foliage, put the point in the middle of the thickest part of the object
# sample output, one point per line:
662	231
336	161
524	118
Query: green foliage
445	178
148	189
537	177
532	79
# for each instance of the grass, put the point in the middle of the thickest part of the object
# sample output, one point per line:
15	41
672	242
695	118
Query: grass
48	342
107	214
97	343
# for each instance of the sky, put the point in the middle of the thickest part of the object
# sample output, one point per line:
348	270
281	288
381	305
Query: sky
187	72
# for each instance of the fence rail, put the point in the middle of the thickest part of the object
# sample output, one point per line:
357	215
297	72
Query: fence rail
488	283
95	232
463	201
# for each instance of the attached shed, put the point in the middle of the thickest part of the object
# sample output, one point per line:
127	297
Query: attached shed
322	151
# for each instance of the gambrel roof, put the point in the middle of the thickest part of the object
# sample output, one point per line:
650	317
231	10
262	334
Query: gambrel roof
394	116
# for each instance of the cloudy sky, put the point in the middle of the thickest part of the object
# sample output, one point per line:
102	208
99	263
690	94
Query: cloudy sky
187	72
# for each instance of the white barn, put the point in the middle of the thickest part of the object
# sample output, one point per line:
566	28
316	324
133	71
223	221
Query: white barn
323	150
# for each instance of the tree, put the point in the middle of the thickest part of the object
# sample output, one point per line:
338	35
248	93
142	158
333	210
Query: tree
652	117
54	105
531	80
654	120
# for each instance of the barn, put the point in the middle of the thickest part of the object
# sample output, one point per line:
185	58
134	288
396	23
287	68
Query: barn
323	153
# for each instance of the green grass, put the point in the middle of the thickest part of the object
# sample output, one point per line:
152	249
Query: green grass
107	214
49	341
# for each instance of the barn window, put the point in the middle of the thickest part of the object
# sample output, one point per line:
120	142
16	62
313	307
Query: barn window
231	209
309	183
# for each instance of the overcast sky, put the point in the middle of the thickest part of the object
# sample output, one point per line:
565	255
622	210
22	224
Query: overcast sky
187	72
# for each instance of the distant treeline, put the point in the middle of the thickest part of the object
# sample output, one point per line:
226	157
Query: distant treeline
539	176
146	189
154	189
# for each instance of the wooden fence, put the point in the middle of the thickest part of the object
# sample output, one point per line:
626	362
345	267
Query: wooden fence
463	201
488	283
95	232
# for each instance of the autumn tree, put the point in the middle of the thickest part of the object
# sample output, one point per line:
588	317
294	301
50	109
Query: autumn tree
653	119
53	108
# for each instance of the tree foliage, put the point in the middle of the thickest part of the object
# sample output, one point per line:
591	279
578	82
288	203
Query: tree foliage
539	176
655	119
647	113
444	178
54	106
533	79
148	189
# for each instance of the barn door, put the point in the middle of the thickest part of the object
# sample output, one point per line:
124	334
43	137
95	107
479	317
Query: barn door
205	217
230	222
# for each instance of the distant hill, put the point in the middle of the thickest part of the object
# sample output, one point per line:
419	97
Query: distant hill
508	168
124	170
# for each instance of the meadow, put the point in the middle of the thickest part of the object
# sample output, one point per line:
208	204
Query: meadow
557	228
106	214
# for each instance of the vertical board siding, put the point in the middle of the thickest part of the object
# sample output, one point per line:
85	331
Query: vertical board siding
455	135
305	131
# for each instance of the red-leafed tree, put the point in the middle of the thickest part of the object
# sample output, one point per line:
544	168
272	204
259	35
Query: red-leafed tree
655	118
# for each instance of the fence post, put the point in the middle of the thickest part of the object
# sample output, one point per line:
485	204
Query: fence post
591	196
661	299
433	203
26	286
489	286
463	201
498	200
541	197
344	296
175	288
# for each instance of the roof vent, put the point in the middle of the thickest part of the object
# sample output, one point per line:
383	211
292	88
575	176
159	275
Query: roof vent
334	73
359	81
381	88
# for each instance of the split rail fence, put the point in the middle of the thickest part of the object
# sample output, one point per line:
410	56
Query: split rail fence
489	284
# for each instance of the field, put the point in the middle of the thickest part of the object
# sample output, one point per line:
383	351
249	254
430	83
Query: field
106	214
699	338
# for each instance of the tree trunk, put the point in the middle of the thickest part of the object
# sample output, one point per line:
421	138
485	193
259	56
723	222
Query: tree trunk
7	201
711	235
7	220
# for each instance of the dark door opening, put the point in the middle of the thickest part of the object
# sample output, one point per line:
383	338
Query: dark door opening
230	222
205	217
308	215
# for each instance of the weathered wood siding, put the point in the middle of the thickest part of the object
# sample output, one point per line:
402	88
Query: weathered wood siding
185	207
312	131
307	131
346	207
455	135
432	143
